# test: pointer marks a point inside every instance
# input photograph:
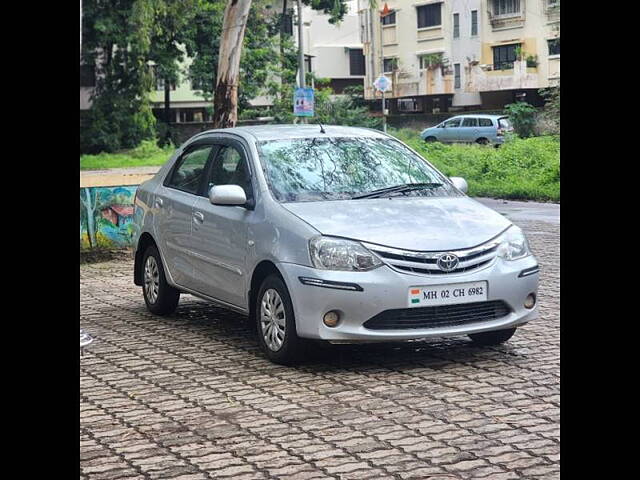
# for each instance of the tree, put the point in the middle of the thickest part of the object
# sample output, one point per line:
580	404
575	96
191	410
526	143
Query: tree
171	21
523	117
116	40
225	103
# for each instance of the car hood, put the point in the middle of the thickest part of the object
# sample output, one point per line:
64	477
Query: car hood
416	223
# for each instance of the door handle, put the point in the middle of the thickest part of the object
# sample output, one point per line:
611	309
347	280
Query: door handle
198	217
159	202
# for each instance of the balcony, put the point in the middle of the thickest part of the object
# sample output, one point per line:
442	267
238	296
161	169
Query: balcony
504	76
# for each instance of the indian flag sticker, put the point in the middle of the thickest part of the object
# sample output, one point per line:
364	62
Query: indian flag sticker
414	295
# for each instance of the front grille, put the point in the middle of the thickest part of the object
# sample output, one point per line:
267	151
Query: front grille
438	316
426	263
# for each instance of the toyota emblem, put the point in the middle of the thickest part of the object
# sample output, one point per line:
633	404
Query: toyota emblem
448	262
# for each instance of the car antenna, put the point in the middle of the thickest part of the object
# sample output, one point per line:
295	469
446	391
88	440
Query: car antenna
321	127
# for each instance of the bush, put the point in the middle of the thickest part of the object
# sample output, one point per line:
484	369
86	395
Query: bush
525	169
523	117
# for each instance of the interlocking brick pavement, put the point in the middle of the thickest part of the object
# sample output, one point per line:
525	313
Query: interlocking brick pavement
190	396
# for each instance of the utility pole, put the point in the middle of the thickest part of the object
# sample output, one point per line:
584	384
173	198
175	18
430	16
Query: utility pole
301	80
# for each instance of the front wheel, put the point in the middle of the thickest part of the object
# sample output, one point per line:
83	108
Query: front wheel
276	323
160	297
430	139
495	337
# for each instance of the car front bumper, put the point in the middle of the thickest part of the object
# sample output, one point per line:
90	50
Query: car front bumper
386	289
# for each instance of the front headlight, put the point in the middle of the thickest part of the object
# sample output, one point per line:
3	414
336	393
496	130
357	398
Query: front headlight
513	244
337	254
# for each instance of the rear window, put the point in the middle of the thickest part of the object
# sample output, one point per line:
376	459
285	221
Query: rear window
485	122
504	123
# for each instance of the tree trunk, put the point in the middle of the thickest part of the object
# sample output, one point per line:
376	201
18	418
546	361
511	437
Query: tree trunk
225	103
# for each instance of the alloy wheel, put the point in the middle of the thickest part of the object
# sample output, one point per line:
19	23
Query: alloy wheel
151	279
272	319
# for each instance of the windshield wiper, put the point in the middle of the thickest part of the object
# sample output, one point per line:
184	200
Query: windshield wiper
407	187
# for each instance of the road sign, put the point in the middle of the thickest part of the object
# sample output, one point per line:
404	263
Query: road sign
303	102
382	84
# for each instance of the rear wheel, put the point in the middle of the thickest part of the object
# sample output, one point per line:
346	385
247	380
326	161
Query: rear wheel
482	141
430	139
275	322
160	297
495	337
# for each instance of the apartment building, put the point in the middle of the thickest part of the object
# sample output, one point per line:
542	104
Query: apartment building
461	54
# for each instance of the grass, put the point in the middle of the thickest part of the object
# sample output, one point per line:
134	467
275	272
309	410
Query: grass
521	169
148	154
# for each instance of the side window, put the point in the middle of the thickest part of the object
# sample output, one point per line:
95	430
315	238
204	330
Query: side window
470	122
230	168
454	122
188	175
485	122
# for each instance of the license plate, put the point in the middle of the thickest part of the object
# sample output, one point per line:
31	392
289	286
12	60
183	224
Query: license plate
447	294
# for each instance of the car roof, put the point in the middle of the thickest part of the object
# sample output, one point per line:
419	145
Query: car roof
278	132
480	115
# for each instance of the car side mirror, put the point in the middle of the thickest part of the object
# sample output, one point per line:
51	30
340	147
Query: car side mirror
227	195
460	183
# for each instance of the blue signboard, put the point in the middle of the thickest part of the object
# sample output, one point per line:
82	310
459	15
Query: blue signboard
303	102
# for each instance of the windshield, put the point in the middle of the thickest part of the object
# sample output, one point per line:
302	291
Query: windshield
335	168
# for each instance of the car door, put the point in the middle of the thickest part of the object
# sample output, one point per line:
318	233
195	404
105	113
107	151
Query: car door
219	234
450	130
486	128
173	203
469	131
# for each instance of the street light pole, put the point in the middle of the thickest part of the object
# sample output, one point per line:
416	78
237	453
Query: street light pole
301	80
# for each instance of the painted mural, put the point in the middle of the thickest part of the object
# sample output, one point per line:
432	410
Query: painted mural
106	217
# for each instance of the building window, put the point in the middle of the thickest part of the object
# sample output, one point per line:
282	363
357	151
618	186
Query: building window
474	23
409	105
506	7
554	46
307	64
504	56
431	60
87	76
456	25
456	68
429	15
356	61
389	65
389	19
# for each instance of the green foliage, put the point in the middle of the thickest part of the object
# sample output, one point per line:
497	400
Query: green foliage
523	117
551	112
117	40
527	169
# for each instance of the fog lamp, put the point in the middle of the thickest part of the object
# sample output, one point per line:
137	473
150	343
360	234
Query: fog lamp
331	318
530	301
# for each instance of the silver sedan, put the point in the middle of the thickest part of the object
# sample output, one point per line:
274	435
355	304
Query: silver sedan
331	233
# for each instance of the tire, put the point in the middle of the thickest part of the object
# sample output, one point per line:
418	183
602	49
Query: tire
275	322
482	141
495	337
160	297
430	139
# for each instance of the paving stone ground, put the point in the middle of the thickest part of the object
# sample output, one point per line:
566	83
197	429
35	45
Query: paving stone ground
191	397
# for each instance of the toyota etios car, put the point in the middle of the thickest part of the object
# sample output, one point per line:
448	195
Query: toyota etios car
331	233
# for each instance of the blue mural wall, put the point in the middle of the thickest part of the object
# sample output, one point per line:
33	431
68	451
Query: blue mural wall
106	217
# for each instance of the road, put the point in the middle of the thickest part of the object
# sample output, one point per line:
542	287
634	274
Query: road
190	396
